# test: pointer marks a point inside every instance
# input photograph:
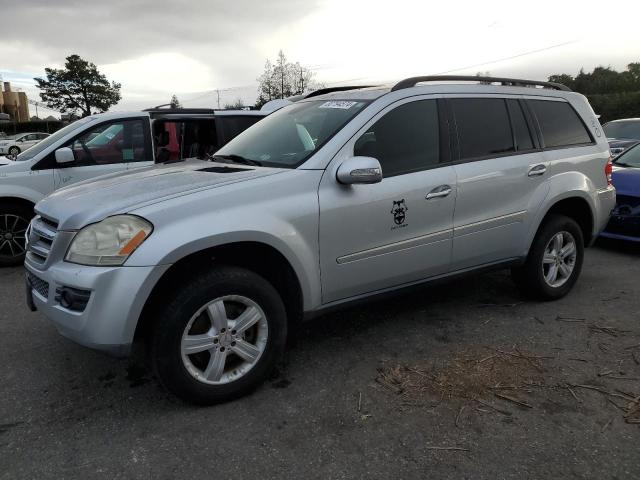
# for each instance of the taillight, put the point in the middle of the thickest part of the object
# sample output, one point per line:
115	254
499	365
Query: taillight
608	170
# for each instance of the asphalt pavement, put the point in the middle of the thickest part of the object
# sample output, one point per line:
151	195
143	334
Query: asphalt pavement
460	380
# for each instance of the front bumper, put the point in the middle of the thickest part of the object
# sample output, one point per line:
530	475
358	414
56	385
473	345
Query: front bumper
117	296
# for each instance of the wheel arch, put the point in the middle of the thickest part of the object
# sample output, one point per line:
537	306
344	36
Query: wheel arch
259	257
10	200
575	205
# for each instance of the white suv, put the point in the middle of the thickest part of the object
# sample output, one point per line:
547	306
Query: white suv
99	145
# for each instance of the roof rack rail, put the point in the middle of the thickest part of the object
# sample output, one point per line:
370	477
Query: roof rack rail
322	91
512	82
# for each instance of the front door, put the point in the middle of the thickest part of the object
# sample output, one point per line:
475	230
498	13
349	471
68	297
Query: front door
398	231
108	147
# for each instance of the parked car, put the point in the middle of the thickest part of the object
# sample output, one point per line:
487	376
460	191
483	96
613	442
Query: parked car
622	134
328	201
102	144
625	218
14	144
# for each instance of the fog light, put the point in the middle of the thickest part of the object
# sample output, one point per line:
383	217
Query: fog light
74	299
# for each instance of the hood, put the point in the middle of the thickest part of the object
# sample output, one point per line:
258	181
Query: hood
627	181
91	201
5	161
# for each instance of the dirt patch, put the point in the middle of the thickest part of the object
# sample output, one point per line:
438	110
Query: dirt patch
479	375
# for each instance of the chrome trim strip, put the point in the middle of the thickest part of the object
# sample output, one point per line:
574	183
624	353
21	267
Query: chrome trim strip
489	223
396	247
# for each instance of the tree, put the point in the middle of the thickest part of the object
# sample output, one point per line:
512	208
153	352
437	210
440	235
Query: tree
612	94
175	103
284	79
237	105
79	87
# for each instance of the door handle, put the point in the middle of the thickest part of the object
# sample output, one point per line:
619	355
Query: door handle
441	191
537	170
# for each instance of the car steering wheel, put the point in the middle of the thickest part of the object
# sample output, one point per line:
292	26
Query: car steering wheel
87	151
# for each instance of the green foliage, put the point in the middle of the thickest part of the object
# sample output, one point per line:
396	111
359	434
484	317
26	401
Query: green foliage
78	88
612	94
284	79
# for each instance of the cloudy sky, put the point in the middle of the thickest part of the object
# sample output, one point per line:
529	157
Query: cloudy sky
192	48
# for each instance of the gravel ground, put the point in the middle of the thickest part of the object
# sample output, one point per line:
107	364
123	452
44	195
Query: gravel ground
462	380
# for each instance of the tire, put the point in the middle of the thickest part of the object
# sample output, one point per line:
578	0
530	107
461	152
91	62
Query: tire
14	151
535	279
14	220
192	320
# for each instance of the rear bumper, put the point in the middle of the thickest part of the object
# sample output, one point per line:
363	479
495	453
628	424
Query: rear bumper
605	203
116	298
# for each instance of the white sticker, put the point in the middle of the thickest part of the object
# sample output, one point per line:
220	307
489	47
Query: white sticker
342	105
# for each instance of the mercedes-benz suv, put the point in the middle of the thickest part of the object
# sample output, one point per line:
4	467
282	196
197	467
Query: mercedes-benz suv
329	200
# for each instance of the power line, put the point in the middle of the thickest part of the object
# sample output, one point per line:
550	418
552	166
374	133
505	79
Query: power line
532	52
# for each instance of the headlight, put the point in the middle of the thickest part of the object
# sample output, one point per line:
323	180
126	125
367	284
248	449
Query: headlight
109	242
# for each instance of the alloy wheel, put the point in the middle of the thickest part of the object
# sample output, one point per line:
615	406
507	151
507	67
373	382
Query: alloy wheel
559	259
13	230
224	339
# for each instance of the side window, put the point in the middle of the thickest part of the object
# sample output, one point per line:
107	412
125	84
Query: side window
406	139
108	143
521	130
483	127
560	124
42	136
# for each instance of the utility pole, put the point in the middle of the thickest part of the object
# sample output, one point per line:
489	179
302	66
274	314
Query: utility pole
218	93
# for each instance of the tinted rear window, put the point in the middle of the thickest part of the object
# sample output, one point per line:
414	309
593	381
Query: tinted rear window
560	124
483	125
520	128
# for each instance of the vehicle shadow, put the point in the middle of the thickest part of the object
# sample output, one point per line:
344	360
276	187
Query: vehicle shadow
618	246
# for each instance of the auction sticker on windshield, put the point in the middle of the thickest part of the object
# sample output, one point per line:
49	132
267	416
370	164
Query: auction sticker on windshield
337	104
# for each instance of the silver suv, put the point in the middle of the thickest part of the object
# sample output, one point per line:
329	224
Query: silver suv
328	200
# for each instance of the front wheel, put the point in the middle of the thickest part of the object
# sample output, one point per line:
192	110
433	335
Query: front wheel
14	220
554	261
219	336
14	151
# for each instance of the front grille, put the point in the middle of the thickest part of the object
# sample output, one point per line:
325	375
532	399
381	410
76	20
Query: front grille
38	285
42	233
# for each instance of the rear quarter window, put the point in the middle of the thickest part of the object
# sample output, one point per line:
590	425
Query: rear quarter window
560	124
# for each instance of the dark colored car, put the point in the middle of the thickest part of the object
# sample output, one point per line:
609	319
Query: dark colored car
625	218
622	134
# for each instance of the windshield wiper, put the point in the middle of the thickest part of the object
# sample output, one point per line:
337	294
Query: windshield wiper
235	159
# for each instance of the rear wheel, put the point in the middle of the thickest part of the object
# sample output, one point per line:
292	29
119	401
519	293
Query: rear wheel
14	220
219	336
555	260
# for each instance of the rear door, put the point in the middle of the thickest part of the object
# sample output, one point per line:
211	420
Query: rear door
501	179
107	147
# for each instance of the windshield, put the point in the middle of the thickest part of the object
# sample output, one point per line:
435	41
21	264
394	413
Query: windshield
47	142
622	129
289	136
630	158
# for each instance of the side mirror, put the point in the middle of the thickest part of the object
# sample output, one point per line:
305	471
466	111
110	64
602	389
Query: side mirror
64	155
359	170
